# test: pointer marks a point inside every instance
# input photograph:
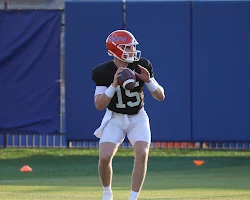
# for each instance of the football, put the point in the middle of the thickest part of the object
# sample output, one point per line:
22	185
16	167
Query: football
127	79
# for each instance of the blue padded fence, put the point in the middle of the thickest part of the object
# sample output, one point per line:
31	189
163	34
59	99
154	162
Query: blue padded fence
200	54
199	50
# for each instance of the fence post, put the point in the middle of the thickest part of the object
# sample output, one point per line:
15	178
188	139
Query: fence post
6	4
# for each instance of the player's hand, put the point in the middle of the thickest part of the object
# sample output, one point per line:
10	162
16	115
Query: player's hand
117	74
144	75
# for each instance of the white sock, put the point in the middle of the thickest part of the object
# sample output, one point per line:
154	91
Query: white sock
107	189
133	195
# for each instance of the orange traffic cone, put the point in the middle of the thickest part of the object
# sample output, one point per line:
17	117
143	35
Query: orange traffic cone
199	162
26	168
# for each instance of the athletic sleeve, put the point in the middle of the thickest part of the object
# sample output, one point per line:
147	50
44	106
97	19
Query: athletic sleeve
100	90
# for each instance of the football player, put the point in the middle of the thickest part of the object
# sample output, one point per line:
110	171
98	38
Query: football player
125	114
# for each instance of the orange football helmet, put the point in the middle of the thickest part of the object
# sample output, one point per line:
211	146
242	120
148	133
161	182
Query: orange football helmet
122	45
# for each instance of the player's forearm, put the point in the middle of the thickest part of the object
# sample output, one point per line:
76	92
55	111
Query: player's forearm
156	90
102	100
158	94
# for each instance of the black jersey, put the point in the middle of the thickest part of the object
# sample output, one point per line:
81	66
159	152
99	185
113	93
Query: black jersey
124	101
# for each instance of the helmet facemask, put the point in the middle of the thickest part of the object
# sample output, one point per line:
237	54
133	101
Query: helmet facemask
129	52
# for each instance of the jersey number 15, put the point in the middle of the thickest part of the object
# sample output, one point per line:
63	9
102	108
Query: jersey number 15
128	93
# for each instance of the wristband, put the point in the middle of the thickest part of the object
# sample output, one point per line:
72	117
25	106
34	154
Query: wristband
152	86
110	91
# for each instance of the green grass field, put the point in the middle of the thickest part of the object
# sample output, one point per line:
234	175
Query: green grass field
71	174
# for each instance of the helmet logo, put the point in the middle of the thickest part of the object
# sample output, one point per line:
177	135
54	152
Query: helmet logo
117	38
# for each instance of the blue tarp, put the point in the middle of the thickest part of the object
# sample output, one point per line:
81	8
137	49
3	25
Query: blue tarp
30	71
